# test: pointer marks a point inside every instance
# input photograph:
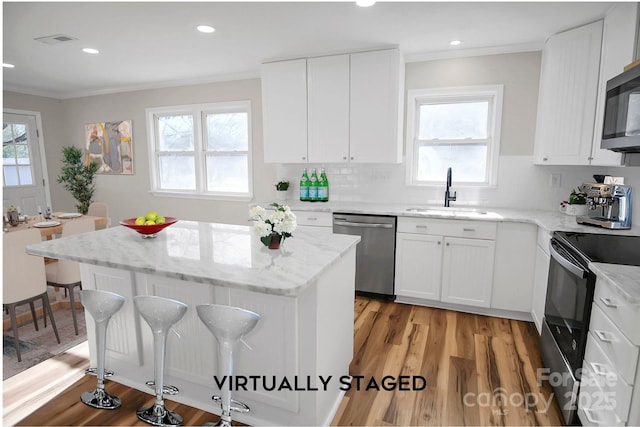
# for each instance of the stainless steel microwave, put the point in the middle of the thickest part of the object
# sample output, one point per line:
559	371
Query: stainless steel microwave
621	129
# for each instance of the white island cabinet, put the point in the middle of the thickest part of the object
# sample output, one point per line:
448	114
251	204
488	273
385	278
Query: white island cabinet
304	293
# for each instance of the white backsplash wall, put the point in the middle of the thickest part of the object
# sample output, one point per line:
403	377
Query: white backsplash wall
521	184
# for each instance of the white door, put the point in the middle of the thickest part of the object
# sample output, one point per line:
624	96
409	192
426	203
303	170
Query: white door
467	272
23	181
418	265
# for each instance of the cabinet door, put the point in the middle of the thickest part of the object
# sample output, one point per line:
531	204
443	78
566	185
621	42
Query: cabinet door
618	37
418	265
376	107
467	271
567	100
284	110
328	103
540	277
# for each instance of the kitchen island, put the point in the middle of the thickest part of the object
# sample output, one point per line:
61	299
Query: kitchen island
292	368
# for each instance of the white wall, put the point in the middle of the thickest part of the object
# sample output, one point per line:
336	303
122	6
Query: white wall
128	195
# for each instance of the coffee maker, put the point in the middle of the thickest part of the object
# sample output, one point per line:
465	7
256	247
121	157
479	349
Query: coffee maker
609	205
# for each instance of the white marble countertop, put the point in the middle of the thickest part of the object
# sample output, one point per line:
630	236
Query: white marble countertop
216	254
548	220
626	279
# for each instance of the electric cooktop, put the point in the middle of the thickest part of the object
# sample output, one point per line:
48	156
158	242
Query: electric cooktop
606	248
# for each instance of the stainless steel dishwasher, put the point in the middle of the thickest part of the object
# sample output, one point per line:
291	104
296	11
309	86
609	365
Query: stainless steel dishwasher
375	254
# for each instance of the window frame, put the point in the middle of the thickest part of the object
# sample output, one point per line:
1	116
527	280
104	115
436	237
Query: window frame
417	97
200	149
16	163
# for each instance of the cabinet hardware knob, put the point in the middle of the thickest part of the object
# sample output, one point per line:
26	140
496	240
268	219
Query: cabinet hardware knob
421	226
351	157
447	243
599	368
468	229
311	218
544	159
439	242
344	158
589	158
608	303
304	158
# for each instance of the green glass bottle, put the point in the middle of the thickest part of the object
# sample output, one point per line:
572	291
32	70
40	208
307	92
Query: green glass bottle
304	186
313	186
323	187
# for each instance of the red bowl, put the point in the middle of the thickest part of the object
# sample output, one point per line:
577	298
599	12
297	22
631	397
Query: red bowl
148	230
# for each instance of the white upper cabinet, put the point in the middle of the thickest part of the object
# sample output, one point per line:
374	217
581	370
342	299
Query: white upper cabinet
618	39
576	66
328	103
377	97
284	109
345	108
567	99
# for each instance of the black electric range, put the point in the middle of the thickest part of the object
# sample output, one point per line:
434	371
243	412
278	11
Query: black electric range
606	248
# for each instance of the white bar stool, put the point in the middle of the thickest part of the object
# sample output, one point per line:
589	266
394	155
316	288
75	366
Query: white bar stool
160	313
101	305
228	325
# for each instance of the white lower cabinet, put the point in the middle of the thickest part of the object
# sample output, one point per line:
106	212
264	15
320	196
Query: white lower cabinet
418	265
467	271
450	261
609	388
540	278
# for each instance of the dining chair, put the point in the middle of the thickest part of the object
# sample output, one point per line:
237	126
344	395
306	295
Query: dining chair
64	273
24	280
99	209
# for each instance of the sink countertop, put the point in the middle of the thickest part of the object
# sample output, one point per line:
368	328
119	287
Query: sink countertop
548	220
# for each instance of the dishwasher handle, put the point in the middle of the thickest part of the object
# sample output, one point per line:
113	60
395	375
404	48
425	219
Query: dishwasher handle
361	224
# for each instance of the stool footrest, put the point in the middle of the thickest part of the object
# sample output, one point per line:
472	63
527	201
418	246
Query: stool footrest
236	405
94	372
166	388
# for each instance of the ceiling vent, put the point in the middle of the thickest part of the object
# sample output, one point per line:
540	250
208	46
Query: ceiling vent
56	39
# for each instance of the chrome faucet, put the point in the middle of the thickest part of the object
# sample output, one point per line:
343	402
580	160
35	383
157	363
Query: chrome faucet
447	195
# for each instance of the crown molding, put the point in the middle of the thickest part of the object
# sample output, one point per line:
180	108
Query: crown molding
465	53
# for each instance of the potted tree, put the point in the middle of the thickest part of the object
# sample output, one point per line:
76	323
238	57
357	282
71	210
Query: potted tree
77	177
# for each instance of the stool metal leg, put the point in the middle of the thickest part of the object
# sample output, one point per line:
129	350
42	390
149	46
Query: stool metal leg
99	398
160	314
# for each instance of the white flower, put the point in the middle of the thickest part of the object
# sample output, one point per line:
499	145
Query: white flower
262	228
276	217
257	212
286	226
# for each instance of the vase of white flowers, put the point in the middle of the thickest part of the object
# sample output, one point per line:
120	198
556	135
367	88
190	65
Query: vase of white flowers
274	228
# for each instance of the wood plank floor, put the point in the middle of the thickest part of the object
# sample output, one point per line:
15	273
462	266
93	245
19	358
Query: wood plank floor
479	371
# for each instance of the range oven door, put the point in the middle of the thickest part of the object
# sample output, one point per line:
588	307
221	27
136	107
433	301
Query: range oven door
567	310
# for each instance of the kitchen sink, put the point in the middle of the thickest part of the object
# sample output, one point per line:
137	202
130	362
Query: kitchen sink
453	212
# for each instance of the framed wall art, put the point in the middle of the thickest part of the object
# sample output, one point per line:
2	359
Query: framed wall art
110	145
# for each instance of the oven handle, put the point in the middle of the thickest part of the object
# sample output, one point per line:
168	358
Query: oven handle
568	265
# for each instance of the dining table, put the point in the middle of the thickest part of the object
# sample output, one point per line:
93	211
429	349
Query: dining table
53	226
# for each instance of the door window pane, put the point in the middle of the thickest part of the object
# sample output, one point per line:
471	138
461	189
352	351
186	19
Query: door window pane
227	132
177	172
227	173
25	175
453	120
11	175
175	133
469	162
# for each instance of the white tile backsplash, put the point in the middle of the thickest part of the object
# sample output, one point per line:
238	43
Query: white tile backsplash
521	184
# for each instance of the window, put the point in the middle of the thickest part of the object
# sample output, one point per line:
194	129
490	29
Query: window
201	150
16	161
456	128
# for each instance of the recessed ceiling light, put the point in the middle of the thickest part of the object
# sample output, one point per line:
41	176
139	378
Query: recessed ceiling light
6	65
205	28
90	50
365	3
455	42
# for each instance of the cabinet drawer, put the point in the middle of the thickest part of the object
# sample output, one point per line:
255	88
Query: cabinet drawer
453	228
625	315
319	219
608	378
618	349
599	405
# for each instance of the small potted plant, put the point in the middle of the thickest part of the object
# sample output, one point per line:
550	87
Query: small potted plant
576	205
78	177
282	187
274	228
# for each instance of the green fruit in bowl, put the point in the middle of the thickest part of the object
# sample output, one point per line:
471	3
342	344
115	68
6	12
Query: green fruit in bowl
151	216
160	219
140	220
